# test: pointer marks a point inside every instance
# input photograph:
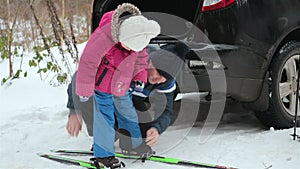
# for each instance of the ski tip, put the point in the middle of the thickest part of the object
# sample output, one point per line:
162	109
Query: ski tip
41	154
54	151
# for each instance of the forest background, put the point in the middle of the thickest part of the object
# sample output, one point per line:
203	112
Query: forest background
37	26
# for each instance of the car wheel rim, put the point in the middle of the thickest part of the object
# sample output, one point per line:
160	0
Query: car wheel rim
288	84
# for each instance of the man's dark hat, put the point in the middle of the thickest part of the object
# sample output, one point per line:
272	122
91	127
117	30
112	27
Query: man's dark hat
168	60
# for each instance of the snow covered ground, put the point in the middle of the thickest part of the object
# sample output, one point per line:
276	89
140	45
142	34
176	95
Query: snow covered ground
34	114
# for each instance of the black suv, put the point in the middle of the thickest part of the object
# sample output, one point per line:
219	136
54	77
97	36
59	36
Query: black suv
258	42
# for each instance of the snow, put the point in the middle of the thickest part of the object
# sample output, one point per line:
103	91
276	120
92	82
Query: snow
34	115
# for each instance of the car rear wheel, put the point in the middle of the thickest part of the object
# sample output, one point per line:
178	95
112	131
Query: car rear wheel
283	86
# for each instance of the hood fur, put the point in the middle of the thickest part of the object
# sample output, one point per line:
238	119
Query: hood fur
115	26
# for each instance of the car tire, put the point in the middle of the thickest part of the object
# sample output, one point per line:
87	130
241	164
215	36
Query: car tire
282	88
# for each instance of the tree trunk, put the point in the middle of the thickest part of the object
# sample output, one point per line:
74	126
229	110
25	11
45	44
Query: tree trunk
88	20
9	39
63	19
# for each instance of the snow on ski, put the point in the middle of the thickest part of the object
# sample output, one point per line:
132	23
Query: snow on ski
167	160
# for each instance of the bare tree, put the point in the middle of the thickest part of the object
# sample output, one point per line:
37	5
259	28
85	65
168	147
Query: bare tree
63	16
9	37
62	23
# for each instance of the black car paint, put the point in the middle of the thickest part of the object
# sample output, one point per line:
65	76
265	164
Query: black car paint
255	28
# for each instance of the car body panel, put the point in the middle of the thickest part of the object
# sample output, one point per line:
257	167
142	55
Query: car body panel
252	29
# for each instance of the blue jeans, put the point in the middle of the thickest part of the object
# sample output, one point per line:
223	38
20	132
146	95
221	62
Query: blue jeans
105	105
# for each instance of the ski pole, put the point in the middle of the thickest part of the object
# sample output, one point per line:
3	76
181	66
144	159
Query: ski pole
297	100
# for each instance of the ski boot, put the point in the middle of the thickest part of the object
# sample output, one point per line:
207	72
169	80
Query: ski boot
109	162
143	151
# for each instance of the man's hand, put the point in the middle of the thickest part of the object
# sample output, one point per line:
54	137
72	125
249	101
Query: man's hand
152	136
74	125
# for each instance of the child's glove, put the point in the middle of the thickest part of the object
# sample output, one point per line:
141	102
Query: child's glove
139	86
84	98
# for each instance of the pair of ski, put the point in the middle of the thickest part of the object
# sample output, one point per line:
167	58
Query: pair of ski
90	165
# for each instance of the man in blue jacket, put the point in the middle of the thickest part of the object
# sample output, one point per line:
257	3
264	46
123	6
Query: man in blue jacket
158	94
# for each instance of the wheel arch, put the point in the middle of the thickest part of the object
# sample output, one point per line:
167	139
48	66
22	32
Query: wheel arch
293	35
262	100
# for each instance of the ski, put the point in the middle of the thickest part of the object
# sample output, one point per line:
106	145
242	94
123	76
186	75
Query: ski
168	160
66	160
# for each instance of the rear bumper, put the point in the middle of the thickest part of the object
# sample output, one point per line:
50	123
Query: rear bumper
241	89
244	72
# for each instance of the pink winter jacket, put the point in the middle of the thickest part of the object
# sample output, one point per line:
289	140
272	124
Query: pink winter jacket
107	66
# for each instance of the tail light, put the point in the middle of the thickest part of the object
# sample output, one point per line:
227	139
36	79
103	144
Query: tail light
209	5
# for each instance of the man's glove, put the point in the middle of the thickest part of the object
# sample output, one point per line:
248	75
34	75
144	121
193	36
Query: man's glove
139	86
84	98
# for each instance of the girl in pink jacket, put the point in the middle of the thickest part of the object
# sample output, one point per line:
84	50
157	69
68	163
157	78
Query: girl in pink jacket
113	59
